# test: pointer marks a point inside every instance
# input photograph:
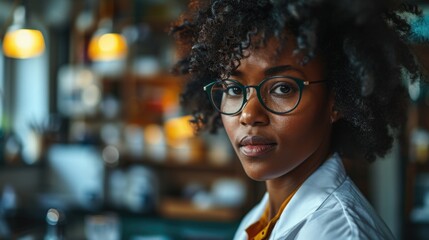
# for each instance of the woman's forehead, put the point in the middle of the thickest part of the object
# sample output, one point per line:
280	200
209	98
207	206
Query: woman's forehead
273	52
276	54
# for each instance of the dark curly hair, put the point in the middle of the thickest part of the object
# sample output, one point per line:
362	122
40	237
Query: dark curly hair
365	42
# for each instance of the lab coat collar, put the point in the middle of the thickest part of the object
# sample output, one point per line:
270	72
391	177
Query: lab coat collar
310	196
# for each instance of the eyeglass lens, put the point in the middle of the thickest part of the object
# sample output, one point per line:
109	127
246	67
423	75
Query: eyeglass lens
280	95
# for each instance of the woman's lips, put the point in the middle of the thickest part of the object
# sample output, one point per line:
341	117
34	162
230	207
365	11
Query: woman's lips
254	146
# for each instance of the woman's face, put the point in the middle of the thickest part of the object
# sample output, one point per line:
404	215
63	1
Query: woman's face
269	145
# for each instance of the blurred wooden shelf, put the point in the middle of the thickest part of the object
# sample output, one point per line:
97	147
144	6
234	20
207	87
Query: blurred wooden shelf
182	209
170	163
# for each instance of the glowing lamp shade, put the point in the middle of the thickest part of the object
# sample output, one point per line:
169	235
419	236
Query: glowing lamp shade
23	43
108	46
178	130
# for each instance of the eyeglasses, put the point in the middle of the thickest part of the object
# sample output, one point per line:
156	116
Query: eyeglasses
278	94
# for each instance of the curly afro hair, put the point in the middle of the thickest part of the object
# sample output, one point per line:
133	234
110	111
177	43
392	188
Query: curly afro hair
366	42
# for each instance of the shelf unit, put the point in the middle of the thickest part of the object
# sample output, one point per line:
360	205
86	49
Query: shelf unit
150	100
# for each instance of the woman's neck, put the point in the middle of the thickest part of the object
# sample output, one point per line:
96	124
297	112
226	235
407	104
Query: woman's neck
280	188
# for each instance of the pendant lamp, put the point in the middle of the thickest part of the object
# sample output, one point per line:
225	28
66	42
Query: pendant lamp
21	40
106	44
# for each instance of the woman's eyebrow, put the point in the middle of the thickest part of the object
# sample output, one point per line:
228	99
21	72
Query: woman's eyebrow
236	73
278	69
270	71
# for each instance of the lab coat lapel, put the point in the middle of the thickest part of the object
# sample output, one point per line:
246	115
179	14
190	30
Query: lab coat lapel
252	217
310	196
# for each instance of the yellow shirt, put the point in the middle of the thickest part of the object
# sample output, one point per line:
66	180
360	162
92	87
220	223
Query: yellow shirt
261	229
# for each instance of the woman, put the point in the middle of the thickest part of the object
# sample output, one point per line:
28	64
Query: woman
299	85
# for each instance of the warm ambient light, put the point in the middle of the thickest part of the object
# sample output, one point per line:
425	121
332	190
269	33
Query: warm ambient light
178	130
108	46
23	43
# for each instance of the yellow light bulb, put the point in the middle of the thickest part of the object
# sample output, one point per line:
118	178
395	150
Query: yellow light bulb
23	43
109	46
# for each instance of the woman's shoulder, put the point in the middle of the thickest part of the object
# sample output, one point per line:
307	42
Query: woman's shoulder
345	214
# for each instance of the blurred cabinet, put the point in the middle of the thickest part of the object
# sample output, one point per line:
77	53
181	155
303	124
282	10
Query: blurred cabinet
130	111
154	164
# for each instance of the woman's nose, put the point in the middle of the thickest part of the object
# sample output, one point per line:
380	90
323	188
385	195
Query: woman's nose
253	113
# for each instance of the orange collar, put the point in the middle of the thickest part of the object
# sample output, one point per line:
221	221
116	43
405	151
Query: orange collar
261	229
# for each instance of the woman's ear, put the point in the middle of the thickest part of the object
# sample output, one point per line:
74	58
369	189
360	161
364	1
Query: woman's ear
334	113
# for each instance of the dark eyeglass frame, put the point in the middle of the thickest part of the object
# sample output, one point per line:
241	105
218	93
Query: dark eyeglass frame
301	84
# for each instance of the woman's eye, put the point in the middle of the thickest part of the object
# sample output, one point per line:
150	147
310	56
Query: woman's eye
233	91
282	89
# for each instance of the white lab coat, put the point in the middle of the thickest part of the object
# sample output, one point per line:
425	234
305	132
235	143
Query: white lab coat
327	206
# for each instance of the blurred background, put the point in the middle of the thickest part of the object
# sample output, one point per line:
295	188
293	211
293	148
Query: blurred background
94	143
